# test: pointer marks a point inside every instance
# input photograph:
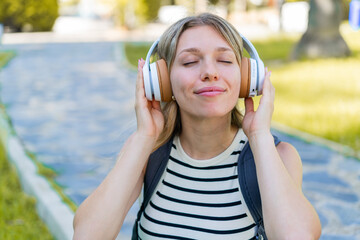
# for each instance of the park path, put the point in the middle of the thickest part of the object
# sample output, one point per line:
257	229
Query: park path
71	103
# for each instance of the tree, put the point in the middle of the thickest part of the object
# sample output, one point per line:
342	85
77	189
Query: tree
322	37
132	13
29	15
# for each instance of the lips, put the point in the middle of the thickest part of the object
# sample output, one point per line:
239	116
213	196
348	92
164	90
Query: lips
210	91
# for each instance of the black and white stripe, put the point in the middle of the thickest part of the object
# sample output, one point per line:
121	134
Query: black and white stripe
199	199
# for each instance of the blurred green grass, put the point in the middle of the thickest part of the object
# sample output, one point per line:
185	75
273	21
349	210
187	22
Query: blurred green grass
321	97
19	219
135	51
5	57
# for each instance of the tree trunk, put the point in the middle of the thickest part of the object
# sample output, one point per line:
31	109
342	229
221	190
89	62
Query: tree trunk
322	38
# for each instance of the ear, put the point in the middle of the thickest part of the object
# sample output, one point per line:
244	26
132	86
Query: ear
245	77
164	81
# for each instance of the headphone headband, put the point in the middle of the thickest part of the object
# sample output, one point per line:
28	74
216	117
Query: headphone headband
150	52
250	48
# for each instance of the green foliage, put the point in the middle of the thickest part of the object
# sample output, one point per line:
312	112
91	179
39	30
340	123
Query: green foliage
120	11
214	2
279	50
135	50
17	210
5	57
147	9
143	10
29	15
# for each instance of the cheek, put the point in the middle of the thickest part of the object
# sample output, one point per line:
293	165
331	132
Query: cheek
235	83
178	82
237	88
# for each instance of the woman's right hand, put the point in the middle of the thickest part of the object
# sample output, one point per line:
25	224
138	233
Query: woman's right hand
150	120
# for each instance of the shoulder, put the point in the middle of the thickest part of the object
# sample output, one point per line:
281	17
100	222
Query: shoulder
291	160
285	148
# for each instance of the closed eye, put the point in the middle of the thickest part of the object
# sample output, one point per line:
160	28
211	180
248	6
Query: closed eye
189	63
224	61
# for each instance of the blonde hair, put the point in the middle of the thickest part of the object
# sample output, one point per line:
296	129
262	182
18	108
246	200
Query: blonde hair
166	50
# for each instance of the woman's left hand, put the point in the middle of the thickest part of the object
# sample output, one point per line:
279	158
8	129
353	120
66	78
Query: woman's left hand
259	121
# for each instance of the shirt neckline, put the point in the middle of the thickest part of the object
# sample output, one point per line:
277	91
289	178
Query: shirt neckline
240	135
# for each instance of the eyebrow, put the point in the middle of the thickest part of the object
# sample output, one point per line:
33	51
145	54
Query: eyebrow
196	50
189	50
224	49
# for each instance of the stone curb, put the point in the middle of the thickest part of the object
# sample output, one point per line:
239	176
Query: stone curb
307	137
50	207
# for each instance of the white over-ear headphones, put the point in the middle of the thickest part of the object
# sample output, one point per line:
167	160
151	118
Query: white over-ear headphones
257	70
157	82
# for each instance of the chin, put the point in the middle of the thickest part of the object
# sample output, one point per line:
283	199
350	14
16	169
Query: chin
208	109
213	112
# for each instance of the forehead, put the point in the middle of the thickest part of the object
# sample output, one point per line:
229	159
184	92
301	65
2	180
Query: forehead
201	37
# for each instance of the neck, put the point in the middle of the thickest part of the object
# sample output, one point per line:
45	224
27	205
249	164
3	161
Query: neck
204	139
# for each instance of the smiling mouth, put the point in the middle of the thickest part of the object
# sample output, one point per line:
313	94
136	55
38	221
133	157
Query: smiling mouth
210	91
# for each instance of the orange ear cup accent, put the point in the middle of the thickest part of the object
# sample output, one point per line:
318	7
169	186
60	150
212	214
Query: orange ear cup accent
164	81
245	77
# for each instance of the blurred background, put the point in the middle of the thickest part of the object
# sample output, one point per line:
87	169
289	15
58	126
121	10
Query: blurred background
301	30
312	48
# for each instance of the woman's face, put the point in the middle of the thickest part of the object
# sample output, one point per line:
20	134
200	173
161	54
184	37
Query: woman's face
205	74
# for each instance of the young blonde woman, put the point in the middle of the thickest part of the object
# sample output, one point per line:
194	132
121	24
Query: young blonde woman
198	196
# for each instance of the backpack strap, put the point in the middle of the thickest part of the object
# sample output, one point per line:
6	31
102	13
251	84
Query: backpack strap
156	166
250	187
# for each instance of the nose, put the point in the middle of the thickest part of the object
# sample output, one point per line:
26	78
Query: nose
209	72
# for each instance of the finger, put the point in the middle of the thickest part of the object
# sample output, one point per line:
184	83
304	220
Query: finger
141	64
266	81
268	88
268	97
156	105
249	105
140	91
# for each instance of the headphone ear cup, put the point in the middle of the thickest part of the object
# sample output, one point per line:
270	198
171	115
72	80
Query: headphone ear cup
245	77
147	82
155	84
164	81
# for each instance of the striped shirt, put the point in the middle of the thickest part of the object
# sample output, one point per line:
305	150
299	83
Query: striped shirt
199	199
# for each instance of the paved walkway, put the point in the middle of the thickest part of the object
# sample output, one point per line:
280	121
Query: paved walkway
72	105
